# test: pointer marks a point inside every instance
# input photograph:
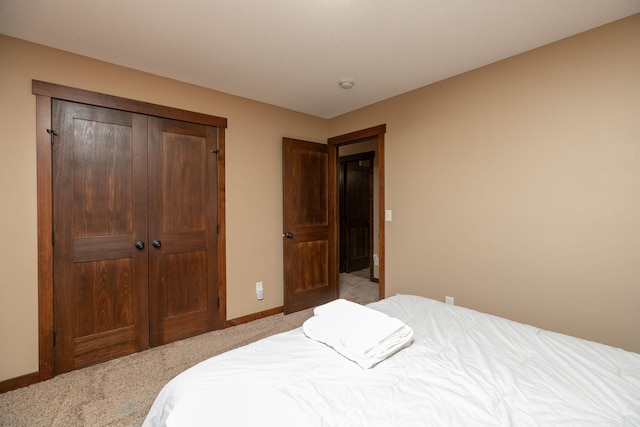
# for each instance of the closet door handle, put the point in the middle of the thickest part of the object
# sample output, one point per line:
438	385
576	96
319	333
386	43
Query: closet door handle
156	243
140	244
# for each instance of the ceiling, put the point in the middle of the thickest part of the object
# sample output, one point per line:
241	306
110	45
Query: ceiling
293	53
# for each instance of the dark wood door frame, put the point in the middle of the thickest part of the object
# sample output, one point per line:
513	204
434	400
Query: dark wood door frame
45	93
334	143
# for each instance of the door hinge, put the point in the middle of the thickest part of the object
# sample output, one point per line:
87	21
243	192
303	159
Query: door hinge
216	152
52	133
218	302
217	228
53	238
54	338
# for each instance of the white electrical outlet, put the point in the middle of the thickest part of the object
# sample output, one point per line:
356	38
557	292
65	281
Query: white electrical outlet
375	259
259	290
449	300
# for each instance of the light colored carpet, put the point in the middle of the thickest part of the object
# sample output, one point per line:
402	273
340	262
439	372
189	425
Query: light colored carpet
121	391
357	287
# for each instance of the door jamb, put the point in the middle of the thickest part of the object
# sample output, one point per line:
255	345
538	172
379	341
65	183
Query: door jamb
334	143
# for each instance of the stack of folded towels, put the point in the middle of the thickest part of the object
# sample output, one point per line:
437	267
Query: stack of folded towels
359	333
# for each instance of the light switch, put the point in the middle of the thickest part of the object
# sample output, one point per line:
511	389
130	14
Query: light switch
387	215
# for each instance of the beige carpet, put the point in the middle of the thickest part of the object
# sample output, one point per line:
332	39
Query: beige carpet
121	391
357	287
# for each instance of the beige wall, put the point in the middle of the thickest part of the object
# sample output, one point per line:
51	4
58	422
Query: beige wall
515	188
253	176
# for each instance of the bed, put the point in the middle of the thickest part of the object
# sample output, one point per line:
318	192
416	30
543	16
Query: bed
462	368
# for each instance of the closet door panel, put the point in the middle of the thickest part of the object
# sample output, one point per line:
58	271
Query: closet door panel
182	222
99	212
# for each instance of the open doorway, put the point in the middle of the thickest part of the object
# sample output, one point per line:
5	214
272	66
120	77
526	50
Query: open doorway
359	158
310	220
357	202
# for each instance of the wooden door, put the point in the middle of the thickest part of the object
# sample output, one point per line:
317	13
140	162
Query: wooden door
356	225
182	229
309	266
99	213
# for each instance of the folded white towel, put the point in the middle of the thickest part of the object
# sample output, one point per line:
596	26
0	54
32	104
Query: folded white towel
359	333
343	307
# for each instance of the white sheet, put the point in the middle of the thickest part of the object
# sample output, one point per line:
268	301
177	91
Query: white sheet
464	368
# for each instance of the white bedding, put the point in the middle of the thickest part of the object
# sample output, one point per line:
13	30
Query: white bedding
464	368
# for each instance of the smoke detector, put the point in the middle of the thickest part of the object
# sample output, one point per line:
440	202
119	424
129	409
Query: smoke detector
346	84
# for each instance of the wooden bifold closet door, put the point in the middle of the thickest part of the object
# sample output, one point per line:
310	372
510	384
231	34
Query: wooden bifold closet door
134	222
182	229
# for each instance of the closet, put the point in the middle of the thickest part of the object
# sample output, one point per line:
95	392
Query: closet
136	206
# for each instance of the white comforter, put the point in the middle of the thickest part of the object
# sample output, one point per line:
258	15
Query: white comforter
464	368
